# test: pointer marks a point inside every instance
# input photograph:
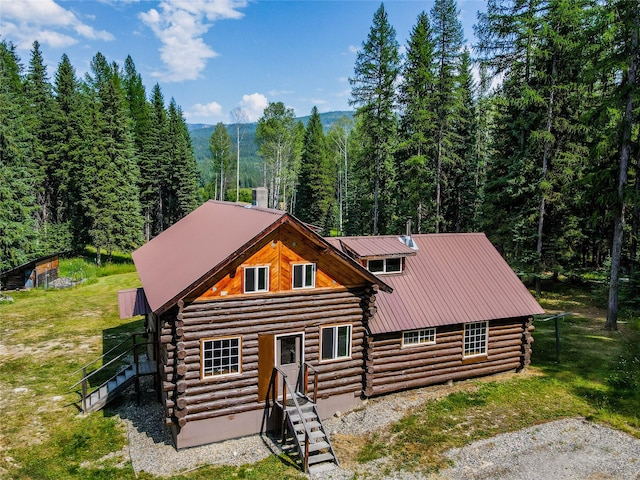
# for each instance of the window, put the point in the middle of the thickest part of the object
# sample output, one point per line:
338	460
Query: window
256	279
475	339
220	356
419	337
336	342
385	265
304	275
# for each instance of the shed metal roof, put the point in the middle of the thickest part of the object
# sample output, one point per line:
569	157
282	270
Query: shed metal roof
453	278
132	302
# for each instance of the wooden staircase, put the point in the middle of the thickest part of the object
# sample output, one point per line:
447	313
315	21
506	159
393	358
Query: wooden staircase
307	433
302	429
126	375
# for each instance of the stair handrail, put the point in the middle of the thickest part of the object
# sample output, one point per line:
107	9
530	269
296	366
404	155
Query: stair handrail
307	433
307	367
132	336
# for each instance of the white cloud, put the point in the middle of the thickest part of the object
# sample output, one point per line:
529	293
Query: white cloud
254	105
317	101
47	22
277	93
180	26
212	109
354	48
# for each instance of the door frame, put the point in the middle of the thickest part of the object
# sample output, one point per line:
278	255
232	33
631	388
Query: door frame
276	359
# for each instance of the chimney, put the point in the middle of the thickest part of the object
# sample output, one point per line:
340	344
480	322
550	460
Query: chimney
406	239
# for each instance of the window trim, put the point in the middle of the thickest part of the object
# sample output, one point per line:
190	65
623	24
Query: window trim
336	327
431	333
256	268
385	271
303	265
467	340
213	376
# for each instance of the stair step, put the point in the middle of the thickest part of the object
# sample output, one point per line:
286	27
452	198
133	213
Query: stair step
295	418
315	435
321	467
299	427
314	447
321	457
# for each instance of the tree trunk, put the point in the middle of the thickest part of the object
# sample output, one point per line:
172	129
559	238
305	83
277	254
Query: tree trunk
635	226
625	153
545	168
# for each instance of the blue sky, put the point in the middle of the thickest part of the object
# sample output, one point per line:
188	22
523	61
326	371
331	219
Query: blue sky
215	55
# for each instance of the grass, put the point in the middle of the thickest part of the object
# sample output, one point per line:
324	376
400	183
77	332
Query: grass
46	335
597	377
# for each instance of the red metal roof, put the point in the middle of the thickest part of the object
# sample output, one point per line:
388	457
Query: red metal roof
191	248
184	255
379	246
454	278
132	302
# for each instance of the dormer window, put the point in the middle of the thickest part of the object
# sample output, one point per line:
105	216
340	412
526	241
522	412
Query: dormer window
385	265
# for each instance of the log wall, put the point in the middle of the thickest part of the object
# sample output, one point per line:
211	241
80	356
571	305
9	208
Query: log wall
187	397
391	368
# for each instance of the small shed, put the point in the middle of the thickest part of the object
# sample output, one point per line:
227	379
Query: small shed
36	273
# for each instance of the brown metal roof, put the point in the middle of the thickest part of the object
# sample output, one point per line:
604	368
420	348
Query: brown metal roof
195	245
379	246
454	278
132	302
185	255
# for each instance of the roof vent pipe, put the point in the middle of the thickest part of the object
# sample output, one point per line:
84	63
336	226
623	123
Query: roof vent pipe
407	239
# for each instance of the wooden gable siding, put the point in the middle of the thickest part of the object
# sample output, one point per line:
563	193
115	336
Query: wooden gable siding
190	398
391	367
280	251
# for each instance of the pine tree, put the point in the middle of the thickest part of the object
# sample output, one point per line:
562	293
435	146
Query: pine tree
110	196
416	174
17	199
448	38
182	191
41	116
155	168
69	156
373	92
315	192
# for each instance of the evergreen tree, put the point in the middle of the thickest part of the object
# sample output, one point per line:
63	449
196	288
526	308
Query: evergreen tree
315	192
460	195
183	189
110	196
373	92
69	156
220	148
155	168
17	200
41	116
448	38
416	174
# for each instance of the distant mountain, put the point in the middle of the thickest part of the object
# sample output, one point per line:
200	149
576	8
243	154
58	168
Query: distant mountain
250	163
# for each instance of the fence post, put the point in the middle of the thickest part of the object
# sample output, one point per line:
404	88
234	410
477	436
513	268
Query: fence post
84	389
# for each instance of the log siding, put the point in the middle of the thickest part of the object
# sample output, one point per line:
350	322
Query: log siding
189	397
390	367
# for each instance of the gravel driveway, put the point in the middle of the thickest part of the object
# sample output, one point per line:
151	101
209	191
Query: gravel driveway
566	449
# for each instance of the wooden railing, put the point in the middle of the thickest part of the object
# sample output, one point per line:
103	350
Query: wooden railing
84	381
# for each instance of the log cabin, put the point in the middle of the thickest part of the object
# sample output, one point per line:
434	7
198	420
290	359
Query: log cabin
36	273
248	309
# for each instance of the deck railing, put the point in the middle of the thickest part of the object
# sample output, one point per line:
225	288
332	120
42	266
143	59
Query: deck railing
132	348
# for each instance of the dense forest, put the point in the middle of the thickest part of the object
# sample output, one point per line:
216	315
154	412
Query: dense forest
90	161
530	135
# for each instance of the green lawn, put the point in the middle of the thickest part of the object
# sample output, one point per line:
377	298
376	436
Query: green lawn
47	335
